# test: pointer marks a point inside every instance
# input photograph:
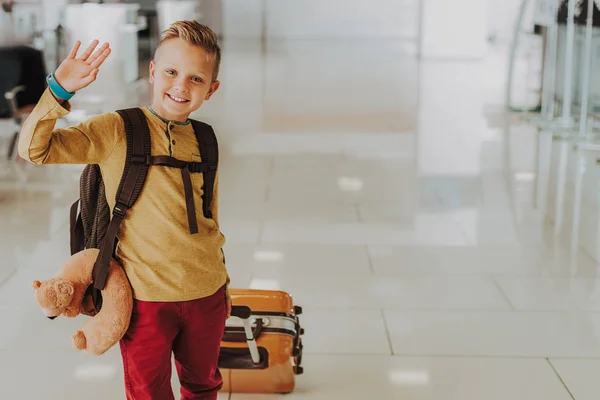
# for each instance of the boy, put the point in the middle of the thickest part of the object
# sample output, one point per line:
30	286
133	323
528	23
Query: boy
179	279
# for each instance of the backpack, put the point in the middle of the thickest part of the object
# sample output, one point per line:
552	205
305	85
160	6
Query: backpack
93	226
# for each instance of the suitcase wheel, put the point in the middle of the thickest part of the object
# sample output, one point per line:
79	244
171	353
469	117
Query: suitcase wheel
297	310
299	370
301	331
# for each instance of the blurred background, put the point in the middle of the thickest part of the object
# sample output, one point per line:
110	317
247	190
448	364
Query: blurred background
421	175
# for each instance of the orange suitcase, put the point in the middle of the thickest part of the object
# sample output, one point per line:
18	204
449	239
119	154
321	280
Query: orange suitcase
261	351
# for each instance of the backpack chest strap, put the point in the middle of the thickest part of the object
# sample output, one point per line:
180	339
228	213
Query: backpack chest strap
186	169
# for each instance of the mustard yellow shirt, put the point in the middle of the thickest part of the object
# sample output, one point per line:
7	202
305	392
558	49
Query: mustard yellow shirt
163	261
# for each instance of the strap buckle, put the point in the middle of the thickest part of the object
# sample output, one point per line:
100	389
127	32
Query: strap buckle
120	210
196	167
139	159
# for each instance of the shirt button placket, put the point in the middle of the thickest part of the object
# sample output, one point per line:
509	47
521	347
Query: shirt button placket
172	144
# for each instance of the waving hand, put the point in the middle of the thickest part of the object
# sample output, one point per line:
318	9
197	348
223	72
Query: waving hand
75	73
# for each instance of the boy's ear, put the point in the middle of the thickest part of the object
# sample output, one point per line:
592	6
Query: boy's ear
152	68
213	88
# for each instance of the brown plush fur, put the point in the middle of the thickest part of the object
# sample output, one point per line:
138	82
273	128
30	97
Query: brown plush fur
64	295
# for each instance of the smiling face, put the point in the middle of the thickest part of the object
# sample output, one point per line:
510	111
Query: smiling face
182	76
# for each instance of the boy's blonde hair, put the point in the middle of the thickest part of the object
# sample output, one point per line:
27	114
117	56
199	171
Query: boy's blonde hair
197	34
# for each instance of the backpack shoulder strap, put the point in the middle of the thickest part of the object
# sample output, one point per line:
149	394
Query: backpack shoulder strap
76	229
138	148
209	151
130	187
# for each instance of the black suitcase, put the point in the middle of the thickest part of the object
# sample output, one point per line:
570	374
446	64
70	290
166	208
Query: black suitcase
21	66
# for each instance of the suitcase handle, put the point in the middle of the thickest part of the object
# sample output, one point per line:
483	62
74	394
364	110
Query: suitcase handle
241	312
244	313
234	338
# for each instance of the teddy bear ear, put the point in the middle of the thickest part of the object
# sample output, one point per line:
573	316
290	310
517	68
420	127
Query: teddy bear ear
66	288
36	284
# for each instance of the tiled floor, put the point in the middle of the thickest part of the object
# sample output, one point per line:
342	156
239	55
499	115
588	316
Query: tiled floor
384	195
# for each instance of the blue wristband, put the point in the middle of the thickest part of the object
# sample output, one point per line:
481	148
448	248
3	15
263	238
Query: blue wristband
58	90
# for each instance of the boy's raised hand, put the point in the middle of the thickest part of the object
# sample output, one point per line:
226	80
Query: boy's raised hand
75	73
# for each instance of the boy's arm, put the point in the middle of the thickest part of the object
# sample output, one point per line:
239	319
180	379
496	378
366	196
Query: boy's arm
90	142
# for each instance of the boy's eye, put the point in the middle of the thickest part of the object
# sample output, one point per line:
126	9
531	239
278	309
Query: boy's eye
170	72
196	79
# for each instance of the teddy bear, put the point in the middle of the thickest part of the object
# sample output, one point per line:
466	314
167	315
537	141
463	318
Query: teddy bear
65	294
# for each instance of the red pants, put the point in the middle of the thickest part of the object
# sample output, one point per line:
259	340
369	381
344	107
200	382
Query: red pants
190	330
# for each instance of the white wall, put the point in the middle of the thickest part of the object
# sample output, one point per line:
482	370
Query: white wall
501	16
300	76
453	29
342	18
321	19
242	18
353	18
